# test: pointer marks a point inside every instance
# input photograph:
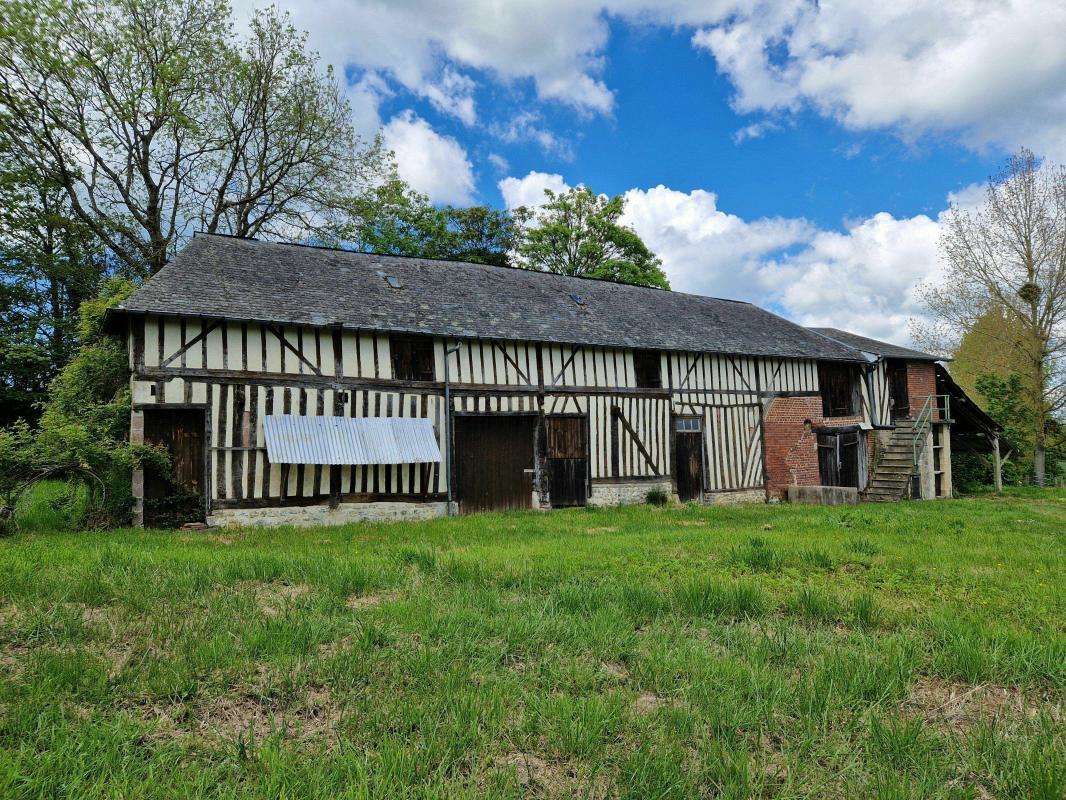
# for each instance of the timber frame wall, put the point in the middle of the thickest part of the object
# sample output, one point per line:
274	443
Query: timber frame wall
242	371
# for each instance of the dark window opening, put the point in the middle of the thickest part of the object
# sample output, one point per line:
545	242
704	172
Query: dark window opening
412	358
839	390
648	370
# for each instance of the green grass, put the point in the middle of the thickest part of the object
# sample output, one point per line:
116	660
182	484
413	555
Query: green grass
905	650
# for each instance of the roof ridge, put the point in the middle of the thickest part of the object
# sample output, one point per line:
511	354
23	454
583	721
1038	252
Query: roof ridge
330	249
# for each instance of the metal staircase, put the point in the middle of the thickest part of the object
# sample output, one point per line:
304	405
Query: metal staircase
897	464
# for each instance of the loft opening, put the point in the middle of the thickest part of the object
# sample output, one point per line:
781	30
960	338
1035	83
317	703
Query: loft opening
838	386
412	358
647	369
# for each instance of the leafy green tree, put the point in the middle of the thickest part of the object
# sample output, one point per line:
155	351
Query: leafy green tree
578	233
83	434
396	220
154	116
49	263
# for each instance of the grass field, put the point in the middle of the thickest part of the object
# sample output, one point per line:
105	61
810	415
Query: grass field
907	650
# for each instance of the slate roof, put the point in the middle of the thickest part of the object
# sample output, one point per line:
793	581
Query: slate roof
886	349
225	277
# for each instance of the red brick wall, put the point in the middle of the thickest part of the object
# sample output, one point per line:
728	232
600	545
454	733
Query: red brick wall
792	446
921	383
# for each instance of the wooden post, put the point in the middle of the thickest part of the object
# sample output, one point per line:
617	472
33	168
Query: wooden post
997	465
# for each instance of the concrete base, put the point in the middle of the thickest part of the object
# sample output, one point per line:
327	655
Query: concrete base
823	495
742	497
626	494
303	516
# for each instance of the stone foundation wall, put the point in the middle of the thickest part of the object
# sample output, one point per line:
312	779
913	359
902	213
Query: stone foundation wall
743	497
384	511
624	494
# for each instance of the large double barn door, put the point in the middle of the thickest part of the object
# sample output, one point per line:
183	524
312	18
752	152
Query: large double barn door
734	445
842	458
567	451
494	461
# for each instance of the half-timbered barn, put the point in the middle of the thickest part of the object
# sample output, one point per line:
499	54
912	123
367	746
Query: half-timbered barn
296	384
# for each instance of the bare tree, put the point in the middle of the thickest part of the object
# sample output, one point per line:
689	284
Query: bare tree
288	158
155	119
1011	254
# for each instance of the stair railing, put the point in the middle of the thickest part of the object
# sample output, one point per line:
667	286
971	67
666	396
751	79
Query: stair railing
939	404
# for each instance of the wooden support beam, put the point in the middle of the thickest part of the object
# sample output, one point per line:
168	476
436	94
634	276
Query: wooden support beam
507	356
688	373
203	334
616	412
739	373
997	464
288	345
567	363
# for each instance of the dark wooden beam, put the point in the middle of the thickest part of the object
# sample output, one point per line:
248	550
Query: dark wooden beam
507	356
288	345
616	412
562	370
203	334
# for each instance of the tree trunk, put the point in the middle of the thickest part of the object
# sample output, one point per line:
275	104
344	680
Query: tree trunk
1038	458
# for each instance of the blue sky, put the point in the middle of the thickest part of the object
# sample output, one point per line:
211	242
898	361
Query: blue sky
796	154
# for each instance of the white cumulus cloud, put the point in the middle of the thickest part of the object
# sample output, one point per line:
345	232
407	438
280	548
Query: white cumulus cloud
432	163
991	72
864	278
529	191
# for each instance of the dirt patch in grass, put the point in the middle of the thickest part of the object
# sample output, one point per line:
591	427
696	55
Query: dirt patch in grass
957	706
614	670
358	602
603	529
252	717
647	703
540	777
271	598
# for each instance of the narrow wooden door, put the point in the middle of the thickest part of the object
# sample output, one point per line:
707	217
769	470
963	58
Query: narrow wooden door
568	460
494	462
179	497
897	390
688	457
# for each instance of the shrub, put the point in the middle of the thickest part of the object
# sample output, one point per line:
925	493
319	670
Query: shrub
656	497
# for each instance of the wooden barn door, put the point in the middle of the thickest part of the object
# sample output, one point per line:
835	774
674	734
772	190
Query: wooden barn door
494	462
688	457
568	459
839	455
179	498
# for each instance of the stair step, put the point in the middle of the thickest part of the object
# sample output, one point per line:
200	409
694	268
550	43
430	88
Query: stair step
888	483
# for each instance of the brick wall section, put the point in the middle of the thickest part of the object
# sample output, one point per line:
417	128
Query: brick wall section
792	448
921	383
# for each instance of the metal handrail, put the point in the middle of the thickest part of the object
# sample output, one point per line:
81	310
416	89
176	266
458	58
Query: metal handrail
924	418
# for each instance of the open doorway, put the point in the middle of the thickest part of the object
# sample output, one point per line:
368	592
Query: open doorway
174	499
899	398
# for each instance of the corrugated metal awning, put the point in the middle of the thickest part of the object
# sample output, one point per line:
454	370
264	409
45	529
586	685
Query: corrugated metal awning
341	440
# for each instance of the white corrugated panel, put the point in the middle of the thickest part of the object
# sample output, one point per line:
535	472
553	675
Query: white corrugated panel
340	440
